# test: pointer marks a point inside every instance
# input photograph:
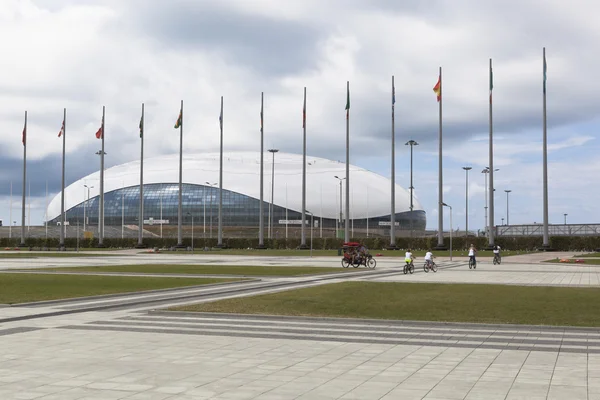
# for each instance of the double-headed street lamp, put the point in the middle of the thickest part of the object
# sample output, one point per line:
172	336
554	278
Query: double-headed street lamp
211	213
411	143
486	171
507	218
340	179
467	169
85	205
191	215
272	206
450	207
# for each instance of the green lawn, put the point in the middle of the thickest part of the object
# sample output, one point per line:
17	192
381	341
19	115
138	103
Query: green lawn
596	255
425	302
30	254
209	269
315	253
21	288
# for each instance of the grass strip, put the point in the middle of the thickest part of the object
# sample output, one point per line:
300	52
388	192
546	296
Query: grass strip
27	254
499	304
246	270
22	288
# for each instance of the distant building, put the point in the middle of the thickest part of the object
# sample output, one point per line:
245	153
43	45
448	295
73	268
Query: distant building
369	196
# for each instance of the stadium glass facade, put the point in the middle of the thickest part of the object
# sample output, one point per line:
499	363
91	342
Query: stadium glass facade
161	203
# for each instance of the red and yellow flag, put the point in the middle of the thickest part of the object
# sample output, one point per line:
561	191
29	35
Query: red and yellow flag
438	89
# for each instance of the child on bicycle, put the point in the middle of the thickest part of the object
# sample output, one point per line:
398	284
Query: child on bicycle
497	252
472	253
429	258
408	257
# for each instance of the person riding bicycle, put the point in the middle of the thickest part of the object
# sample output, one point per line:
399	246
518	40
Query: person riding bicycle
497	253
362	252
408	257
472	253
429	258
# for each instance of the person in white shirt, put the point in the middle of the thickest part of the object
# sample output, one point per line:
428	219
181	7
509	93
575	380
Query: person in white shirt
497	252
429	258
472	252
408	257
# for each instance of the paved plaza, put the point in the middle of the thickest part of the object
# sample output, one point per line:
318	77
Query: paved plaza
126	347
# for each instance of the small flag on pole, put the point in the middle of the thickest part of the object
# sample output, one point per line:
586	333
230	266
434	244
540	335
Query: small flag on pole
491	84
348	103
304	116
393	98
545	69
179	120
142	126
221	119
62	129
24	138
100	133
438	89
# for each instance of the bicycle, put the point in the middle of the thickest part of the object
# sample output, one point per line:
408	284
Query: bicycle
497	259
472	262
431	265
409	267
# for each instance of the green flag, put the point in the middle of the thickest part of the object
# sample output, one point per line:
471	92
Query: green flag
179	120
348	103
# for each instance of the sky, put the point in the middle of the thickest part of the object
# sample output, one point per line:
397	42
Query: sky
85	54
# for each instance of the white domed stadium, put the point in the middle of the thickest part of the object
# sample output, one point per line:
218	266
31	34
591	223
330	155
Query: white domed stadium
369	193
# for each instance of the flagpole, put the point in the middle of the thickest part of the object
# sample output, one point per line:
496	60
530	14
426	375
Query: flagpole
10	214
440	244
46	214
123	210
546	243
179	210
286	212
261	229
141	212
101	204
393	183
347	221
491	164
28	206
220	227
62	190
303	229
22	244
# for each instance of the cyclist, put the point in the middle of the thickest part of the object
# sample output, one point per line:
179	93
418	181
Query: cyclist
497	253
408	257
429	258
472	253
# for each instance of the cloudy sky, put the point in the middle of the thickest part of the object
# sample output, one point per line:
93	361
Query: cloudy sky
83	54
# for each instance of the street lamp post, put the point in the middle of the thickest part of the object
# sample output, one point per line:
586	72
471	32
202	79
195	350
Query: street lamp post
502	220
210	207
486	171
467	169
507	214
311	230
272	208
190	214
450	207
340	179
86	205
565	218
411	143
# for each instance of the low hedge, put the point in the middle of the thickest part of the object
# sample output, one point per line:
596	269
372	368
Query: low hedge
562	243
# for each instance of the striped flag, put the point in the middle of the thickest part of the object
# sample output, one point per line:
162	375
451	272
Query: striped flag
62	129
24	137
348	103
437	89
142	126
491	83
179	120
100	132
545	69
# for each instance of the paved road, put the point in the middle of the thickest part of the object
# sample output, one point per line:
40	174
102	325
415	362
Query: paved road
124	347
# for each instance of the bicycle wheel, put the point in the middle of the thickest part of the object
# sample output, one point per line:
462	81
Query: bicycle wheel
470	264
411	268
371	263
499	260
345	263
425	267
405	269
434	267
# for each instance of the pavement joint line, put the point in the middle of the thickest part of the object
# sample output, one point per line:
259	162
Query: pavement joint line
499	327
